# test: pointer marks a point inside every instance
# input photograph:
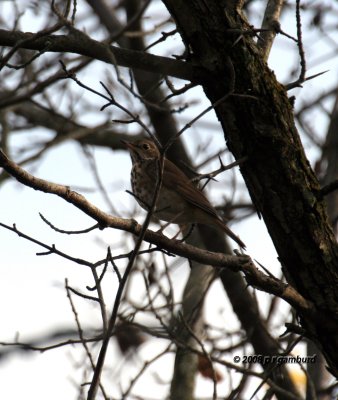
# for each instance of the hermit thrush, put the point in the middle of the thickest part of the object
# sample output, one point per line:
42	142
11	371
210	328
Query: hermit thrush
179	201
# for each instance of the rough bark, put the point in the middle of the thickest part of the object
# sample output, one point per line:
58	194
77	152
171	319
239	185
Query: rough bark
317	372
257	119
330	158
248	313
244	305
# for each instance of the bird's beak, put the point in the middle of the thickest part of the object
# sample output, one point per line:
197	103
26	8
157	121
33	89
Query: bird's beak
129	145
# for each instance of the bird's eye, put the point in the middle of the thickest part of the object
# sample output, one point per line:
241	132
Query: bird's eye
146	146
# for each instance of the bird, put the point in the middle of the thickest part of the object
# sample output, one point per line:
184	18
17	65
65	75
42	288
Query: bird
179	200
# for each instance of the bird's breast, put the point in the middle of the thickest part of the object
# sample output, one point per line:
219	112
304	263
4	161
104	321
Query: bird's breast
169	203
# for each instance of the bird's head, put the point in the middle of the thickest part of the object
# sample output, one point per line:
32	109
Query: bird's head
142	150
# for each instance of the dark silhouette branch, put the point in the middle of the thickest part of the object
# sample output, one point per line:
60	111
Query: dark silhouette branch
79	43
236	263
294	214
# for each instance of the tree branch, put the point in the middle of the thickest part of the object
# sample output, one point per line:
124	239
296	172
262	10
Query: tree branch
294	215
270	26
254	276
79	43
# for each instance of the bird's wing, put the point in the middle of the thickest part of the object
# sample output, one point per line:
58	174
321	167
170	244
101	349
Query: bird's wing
175	179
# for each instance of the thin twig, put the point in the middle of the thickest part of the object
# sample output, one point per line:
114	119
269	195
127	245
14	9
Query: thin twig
221	169
205	353
300	43
80	331
141	371
236	263
101	359
164	37
331	187
190	123
80	232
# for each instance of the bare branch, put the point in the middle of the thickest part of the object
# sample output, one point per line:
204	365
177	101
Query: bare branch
80	331
270	26
79	43
236	263
331	187
221	169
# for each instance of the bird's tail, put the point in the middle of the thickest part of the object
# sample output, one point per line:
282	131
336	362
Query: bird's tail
230	233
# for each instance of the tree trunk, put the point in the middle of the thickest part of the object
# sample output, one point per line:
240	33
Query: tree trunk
257	119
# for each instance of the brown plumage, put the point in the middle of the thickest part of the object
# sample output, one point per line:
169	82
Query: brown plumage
179	200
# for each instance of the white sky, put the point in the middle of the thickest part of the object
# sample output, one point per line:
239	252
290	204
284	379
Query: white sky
32	294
